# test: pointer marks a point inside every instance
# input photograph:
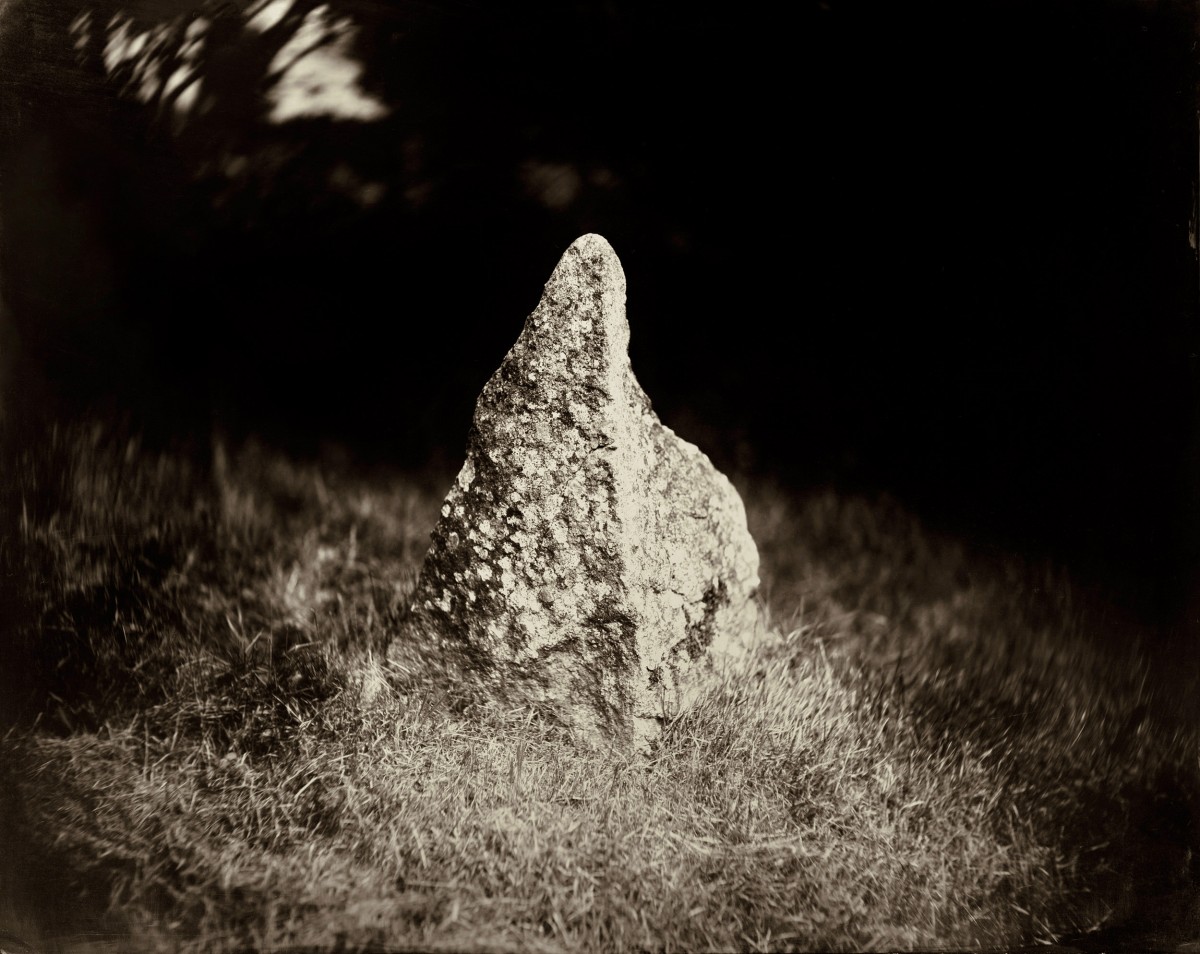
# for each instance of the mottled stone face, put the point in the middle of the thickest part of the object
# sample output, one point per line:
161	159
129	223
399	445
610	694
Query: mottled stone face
585	551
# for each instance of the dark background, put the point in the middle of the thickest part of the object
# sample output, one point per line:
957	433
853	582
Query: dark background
943	250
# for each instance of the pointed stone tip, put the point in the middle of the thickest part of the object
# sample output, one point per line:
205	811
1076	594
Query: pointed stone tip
593	253
592	244
587	269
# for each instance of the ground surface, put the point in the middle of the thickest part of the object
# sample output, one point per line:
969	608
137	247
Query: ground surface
939	747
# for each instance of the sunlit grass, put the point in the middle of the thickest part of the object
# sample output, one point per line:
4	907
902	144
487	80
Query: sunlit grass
934	748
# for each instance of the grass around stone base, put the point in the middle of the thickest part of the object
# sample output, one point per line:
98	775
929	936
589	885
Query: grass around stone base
936	748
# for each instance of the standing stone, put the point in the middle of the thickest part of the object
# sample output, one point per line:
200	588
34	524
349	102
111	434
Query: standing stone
586	555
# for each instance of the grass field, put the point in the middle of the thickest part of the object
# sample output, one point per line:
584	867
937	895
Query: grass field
937	747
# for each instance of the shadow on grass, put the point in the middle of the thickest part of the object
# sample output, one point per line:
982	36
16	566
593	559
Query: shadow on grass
50	898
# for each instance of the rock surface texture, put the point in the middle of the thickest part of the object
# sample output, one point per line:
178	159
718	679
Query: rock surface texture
587	557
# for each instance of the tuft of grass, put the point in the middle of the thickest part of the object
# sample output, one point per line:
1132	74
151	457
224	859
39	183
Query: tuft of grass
935	748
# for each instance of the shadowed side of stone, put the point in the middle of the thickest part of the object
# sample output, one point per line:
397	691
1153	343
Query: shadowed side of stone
586	557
